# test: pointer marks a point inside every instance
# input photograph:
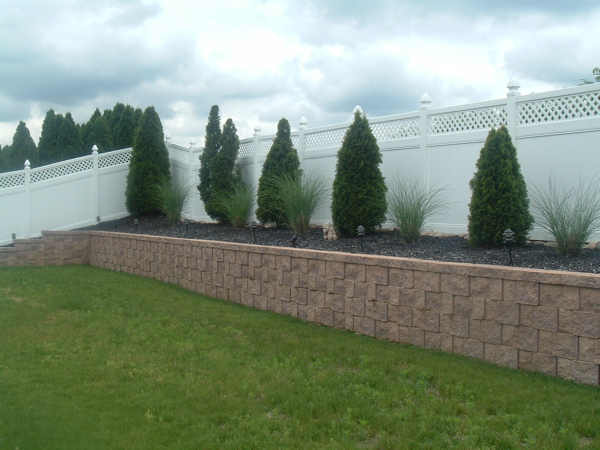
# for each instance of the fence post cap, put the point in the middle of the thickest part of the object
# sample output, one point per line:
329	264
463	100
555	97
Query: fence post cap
94	149
27	165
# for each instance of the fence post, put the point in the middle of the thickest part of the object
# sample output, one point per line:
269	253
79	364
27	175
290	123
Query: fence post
256	169
512	110
27	170
425	103
302	140
95	188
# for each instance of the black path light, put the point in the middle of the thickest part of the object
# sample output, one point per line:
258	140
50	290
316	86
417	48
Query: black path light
360	230
294	240
508	239
252	226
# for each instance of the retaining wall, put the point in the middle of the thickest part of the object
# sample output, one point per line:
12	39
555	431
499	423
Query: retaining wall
546	321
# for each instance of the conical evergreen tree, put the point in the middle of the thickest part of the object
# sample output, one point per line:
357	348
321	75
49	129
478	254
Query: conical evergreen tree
23	148
359	187
97	132
212	144
222	171
69	141
499	194
282	160
149	166
114	119
47	149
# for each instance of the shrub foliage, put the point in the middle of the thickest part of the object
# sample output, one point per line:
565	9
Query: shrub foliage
149	166
172	199
212	143
359	188
282	160
499	195
301	195
237	204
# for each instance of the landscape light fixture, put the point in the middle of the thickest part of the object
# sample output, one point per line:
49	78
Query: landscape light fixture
360	230
294	240
508	239
252	226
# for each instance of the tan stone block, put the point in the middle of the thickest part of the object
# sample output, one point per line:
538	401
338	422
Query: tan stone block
336	302
325	316
433	340
317	282
463	306
454	325
524	292
355	272
415	298
537	362
455	284
355	306
401	315
589	350
386	330
582	372
316	298
344	287
316	267
440	302
558	344
416	336
446	343
339	320
300	296
376	310
521	337
364	325
487	288
404	334
502	312
426	320
300	265
289	308
427	281
541	317
402	278
384	293
502	355
559	296
486	331
590	299
580	323
349	322
306	312
377	274
468	347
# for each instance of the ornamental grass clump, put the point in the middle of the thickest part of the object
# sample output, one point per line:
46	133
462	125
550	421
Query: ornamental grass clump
238	204
172	199
571	216
411	204
301	195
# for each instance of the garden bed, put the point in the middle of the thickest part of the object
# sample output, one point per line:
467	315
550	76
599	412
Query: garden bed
441	248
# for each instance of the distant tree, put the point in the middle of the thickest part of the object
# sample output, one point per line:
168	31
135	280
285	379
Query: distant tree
359	190
125	128
4	158
596	74
47	149
69	140
499	195
149	166
212	144
114	119
23	148
96	132
282	160
222	171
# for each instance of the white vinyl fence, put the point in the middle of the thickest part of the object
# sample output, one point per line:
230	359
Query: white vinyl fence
556	134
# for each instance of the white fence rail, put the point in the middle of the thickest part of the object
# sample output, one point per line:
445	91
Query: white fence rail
556	133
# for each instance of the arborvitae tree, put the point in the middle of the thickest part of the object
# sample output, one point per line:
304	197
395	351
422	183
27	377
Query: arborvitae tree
23	148
149	166
282	160
499	200
222	170
47	150
115	118
359	187
125	128
69	141
4	158
212	144
96	132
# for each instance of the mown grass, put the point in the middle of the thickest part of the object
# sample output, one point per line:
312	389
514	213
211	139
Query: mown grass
95	359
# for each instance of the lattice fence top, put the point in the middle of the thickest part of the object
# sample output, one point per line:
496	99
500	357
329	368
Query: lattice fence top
566	107
325	138
295	141
115	158
62	169
12	179
469	120
396	129
266	142
246	148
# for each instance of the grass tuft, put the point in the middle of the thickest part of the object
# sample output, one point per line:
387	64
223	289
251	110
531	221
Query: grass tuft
238	205
301	196
172	199
571	216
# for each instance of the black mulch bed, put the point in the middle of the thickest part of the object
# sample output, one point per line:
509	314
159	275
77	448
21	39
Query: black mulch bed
447	248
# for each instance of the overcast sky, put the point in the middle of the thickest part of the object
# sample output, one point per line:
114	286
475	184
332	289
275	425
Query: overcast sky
263	60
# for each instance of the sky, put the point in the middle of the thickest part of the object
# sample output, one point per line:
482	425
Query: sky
262	60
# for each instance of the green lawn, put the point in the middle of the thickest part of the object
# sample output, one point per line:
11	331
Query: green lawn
95	359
